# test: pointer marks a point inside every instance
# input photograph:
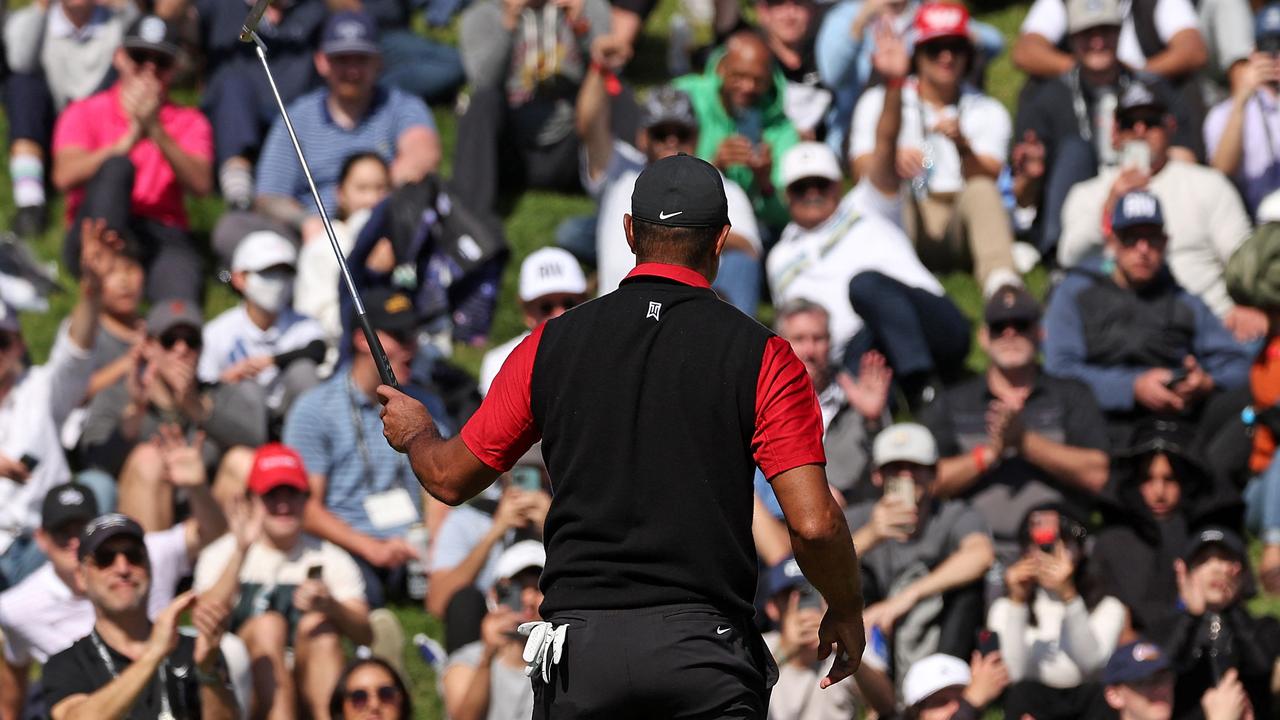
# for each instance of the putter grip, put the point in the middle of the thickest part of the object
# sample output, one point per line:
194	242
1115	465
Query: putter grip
379	355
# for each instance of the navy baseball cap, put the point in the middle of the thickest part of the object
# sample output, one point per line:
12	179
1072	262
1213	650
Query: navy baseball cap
1133	663
785	575
1215	535
66	503
1136	208
104	528
350	31
1011	304
1139	94
1266	26
680	191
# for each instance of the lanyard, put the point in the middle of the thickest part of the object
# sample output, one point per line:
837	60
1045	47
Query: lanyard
1080	107
362	446
166	711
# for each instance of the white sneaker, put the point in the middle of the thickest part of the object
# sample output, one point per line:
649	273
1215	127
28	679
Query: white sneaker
1025	257
388	639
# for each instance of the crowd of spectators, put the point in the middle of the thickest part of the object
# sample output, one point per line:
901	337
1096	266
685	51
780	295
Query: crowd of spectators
1064	501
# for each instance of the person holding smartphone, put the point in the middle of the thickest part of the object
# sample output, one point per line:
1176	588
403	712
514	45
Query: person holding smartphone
485	679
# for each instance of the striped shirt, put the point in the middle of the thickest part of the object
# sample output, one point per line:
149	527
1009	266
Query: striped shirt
320	427
328	144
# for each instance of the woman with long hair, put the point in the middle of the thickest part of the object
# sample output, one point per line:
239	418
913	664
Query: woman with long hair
370	689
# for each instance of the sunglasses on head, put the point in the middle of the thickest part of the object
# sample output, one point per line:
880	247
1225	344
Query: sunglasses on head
386	694
957	46
162	61
1019	326
1129	121
135	555
186	334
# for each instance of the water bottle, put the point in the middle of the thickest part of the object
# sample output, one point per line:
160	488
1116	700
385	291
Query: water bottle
432	652
416	569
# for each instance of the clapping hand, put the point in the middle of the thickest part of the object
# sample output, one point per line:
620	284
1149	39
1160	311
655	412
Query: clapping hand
99	249
869	393
1028	157
210	618
183	462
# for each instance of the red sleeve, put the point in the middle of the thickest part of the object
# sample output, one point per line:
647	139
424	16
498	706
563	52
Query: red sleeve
788	420
502	429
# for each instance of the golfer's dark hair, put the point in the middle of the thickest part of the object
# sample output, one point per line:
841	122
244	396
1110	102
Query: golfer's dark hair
689	246
355	158
340	690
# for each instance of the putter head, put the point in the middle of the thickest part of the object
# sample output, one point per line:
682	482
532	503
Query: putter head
251	21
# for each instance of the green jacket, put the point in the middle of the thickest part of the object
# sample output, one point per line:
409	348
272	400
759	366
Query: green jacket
715	124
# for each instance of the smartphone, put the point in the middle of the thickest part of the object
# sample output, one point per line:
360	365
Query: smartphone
512	596
902	487
29	461
1136	154
750	124
315	572
1044	530
1179	374
526	477
810	598
988	642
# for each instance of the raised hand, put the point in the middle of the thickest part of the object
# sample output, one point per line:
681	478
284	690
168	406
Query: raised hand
183	463
891	59
164	629
869	393
99	249
244	520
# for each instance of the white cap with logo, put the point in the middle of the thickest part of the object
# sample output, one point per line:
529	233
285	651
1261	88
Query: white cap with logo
260	250
548	271
905	442
810	159
930	674
520	556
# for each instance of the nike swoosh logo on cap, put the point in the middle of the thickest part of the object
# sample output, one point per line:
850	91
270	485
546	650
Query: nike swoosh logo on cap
664	216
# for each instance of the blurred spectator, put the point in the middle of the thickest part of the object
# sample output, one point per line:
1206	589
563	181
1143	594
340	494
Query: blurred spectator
796	608
365	181
1130	332
1159	495
351	113
743	125
163	390
121	327
128	155
551	284
1242	134
130	664
363	495
1262	493
789	28
1055	630
951	145
56	53
263	341
834	248
853	409
370	689
1206	223
36	401
1227	27
667	126
1015	437
428	69
486	678
849	39
943	687
525	62
43	615
288	590
1067	122
1162	38
237	97
923	559
1139	683
1214	633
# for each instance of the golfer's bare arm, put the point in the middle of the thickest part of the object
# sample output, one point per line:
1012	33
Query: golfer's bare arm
820	537
447	469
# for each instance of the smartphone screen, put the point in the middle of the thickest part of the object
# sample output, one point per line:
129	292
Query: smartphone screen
751	125
1136	154
902	487
526	477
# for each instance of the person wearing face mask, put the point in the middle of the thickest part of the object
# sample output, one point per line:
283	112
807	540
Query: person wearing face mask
263	340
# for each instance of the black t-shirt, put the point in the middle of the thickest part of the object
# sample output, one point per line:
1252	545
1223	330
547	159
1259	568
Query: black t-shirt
80	670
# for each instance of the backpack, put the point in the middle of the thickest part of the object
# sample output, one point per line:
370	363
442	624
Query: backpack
1252	275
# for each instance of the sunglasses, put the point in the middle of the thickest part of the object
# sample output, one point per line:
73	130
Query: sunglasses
63	536
549	306
1129	121
1019	326
186	334
360	698
162	61
956	46
778	3
665	131
801	188
135	555
7	340
1269	44
1129	240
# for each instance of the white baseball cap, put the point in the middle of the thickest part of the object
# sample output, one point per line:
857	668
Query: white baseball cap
904	442
930	674
810	159
263	249
1269	208
520	556
550	270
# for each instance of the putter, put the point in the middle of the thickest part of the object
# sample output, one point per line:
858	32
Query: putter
249	34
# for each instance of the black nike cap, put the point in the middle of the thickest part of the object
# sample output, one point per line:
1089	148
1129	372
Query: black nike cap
680	191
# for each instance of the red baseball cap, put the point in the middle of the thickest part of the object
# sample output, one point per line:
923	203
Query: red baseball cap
939	20
276	465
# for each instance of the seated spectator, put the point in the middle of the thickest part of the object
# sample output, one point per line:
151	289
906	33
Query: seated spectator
364	496
237	97
129	663
370	689
1130	332
288	590
263	341
1139	683
1071	117
1241	134
943	687
525	62
834	249
1214	633
426	68
789	29
923	559
1227	29
129	155
486	678
160	392
48	611
121	326
56	53
1207	221
551	284
951	147
1055	630
1159	495
351	113
743	128
1015	438
667	126
34	403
